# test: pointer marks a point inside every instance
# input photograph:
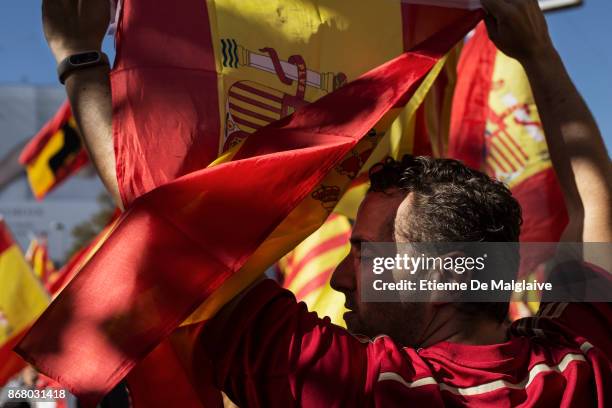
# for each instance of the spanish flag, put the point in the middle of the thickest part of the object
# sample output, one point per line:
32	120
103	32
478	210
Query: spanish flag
211	82
186	245
496	128
22	299
37	255
54	153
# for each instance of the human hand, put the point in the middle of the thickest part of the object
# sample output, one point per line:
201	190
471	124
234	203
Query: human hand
73	26
518	28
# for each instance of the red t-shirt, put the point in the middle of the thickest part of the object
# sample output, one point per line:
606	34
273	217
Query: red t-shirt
269	351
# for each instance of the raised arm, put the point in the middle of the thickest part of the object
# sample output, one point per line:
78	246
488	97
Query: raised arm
576	148
71	27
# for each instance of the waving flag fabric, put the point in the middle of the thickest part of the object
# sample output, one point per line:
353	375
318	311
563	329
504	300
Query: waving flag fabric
59	279
54	153
207	234
496	128
212	82
22	299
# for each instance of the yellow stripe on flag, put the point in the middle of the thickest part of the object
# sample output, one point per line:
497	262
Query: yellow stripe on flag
22	297
308	268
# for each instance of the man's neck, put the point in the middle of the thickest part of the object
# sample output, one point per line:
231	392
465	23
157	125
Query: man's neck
455	328
482	333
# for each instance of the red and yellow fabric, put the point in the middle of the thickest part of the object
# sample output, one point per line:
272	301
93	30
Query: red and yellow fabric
54	153
233	82
496	128
37	256
201	238
307	269
26	296
22	299
421	128
59	279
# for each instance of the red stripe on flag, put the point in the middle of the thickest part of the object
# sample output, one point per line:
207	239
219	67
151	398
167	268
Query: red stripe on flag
315	283
471	100
512	152
429	18
256	115
253	102
329	244
258	92
70	158
422	142
6	240
516	145
164	83
492	156
544	215
40	140
72	267
499	152
245	122
167	376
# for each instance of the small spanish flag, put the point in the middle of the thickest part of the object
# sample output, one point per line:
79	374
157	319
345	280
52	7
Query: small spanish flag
37	256
54	153
22	299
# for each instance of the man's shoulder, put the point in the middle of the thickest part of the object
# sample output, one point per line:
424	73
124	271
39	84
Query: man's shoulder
577	325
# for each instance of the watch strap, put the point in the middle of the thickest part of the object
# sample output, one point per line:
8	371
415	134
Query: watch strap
79	61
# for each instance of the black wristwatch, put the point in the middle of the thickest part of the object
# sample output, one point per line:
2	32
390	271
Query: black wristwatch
79	61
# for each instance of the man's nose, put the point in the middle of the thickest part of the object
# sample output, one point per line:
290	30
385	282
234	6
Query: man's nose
343	278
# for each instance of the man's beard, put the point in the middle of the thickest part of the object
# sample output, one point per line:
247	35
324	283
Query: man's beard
403	322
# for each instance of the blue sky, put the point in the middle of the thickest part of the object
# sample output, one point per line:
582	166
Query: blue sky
582	36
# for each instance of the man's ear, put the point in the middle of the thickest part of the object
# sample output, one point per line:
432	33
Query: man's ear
457	267
454	270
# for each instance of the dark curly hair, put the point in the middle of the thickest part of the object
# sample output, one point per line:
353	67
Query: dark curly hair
452	203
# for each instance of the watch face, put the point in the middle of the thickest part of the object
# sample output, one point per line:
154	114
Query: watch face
84	58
